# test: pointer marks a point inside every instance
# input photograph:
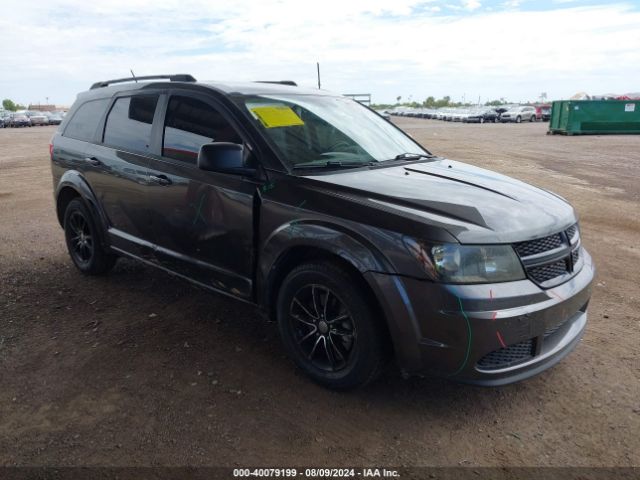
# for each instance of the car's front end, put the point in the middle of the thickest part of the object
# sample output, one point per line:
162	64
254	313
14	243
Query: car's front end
495	290
18	120
495	333
54	119
38	119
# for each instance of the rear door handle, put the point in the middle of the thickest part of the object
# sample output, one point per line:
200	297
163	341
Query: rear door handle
93	161
160	179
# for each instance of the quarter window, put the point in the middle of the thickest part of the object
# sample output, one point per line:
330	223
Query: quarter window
129	123
84	122
191	123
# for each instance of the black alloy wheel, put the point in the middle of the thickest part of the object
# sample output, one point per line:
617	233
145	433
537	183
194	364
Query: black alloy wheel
322	327
83	241
328	326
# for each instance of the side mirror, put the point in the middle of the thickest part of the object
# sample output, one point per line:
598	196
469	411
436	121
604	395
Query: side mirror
223	157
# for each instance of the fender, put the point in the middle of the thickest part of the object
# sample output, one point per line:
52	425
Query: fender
332	238
377	272
75	180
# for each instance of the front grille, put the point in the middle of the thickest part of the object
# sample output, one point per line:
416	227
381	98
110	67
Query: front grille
560	259
505	357
533	247
547	272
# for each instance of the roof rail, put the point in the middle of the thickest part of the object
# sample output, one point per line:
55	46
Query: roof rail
281	82
180	77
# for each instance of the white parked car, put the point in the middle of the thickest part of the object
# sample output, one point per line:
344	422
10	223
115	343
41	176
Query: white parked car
519	114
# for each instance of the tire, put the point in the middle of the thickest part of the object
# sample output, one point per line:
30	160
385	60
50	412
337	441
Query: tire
518	119
533	118
481	119
83	240
328	328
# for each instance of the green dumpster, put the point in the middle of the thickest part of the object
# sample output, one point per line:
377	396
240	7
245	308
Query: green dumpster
583	117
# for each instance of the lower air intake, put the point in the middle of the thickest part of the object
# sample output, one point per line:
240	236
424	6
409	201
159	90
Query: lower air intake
508	356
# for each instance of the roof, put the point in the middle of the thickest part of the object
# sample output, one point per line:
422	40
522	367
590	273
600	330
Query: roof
229	88
258	88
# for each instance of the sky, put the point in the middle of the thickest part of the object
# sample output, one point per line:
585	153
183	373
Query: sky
467	49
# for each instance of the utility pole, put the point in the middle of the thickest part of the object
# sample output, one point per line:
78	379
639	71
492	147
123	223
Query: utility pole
318	68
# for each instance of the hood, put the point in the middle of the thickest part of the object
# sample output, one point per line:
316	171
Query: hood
473	204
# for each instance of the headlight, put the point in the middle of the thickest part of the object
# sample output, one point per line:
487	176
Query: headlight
476	263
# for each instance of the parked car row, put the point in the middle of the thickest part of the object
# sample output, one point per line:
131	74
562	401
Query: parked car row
29	118
479	114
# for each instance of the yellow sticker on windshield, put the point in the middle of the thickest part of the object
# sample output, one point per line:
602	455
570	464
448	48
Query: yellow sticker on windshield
277	116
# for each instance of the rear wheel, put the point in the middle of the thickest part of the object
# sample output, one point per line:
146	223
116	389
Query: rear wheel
328	328
83	242
533	118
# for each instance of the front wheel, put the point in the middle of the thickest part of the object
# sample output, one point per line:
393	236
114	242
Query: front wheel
328	328
83	242
518	119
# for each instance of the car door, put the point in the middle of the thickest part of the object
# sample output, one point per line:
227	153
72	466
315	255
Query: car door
202	221
118	171
530	112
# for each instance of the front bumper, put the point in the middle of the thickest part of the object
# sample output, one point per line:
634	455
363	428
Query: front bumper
490	334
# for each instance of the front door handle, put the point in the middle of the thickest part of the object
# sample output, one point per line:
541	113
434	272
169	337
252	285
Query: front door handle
160	180
93	161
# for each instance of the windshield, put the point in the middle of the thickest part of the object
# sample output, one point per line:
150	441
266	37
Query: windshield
309	129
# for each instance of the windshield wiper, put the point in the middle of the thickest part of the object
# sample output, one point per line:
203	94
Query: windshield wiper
413	156
332	164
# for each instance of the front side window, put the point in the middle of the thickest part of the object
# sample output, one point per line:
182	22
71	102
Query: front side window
309	129
129	123
191	123
84	122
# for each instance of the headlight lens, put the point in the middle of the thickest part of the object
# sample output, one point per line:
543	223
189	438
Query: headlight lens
476	263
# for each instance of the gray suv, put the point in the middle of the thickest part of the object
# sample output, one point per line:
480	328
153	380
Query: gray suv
361	244
519	114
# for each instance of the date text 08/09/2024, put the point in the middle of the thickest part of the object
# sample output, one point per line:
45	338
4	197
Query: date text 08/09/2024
316	472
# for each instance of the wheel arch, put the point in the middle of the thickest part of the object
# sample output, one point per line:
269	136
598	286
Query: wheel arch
300	254
301	242
73	185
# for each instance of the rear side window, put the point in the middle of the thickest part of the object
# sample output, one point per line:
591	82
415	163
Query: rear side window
191	123
84	122
129	123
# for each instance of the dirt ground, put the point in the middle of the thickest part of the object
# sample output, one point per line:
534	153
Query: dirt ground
140	368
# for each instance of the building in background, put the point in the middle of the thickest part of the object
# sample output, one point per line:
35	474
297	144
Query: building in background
41	107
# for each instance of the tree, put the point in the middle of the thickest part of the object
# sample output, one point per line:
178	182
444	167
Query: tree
443	102
429	102
9	105
398	98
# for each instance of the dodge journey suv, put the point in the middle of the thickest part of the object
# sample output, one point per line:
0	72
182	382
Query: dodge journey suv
361	244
